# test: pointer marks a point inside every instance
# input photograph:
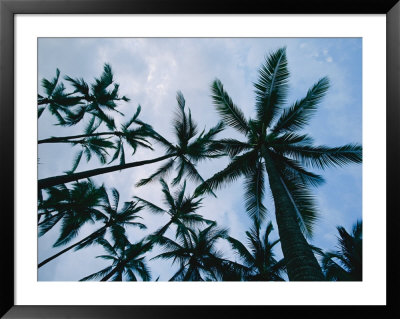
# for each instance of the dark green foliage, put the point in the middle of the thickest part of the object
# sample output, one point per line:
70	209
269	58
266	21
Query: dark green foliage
70	107
74	206
196	254
181	209
345	264
134	268
86	203
189	149
260	258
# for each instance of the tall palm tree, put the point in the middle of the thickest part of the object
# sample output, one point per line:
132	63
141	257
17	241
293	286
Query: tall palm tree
197	255
272	142
113	219
135	267
260	259
189	150
345	264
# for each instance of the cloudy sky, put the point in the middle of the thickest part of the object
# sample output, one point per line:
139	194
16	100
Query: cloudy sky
151	70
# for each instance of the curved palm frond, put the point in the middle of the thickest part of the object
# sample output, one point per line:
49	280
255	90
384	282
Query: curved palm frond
299	114
323	157
230	113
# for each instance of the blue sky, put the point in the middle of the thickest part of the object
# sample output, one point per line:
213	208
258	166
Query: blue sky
151	70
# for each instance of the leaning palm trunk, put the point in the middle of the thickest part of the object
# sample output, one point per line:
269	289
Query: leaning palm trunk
62	179
300	262
91	237
67	139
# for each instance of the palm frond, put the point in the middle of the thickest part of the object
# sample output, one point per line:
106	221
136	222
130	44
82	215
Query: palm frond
229	112
51	85
303	202
299	114
160	173
232	147
271	87
254	191
98	274
240	165
242	251
79	84
293	169
323	157
49	223
152	207
133	118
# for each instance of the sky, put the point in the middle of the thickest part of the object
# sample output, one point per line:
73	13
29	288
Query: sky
150	71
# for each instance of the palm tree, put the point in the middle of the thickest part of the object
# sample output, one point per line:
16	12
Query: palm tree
115	220
272	142
198	258
345	264
136	266
260	259
186	154
181	210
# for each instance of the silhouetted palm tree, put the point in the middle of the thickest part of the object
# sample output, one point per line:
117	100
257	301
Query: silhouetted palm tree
113	219
197	255
345	264
260	259
271	141
135	267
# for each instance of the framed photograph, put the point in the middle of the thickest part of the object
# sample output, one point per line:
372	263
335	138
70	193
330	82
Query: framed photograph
246	150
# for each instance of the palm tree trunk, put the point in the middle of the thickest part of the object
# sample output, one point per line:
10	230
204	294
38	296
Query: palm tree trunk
61	179
300	261
91	237
66	139
122	265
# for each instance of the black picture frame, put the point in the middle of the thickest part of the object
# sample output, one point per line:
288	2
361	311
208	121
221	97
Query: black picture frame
8	10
